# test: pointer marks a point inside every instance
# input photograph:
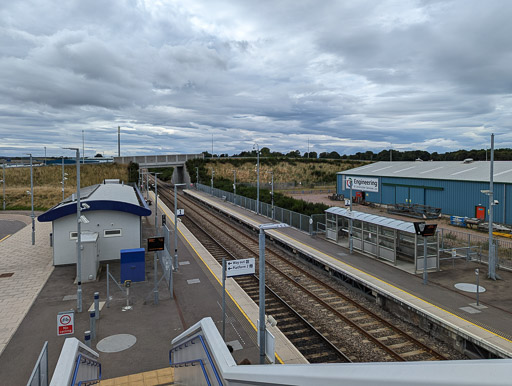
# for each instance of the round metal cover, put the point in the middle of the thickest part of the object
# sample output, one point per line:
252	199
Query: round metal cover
116	343
468	287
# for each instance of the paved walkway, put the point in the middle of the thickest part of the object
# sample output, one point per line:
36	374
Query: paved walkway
19	290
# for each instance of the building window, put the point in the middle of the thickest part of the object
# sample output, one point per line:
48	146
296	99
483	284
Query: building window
112	233
73	235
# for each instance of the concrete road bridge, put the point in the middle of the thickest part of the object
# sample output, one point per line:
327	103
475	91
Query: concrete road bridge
156	161
177	161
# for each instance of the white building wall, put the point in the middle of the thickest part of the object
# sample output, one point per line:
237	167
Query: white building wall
64	251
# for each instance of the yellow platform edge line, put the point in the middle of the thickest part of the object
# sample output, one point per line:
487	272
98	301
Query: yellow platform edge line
393	286
380	280
6	237
215	276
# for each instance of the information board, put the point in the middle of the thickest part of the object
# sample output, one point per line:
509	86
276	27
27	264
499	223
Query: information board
240	267
156	244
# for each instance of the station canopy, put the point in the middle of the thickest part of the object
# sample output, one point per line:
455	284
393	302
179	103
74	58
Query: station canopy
387	222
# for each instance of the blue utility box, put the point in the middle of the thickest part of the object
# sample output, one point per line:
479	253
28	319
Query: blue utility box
133	264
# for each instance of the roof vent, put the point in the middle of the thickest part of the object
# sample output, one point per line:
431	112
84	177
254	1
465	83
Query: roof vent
468	160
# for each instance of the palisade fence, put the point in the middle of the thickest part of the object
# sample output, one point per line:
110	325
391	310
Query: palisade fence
449	238
294	219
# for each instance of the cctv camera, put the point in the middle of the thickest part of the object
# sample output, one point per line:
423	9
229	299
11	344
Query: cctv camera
85	206
495	202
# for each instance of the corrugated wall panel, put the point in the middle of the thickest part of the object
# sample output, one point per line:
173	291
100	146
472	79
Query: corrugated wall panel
458	198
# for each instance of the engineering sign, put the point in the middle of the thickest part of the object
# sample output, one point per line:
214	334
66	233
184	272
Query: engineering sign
365	184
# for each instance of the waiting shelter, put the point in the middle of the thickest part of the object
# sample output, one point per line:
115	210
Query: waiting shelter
385	238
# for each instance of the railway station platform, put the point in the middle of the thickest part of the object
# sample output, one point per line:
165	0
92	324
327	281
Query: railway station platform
438	307
36	292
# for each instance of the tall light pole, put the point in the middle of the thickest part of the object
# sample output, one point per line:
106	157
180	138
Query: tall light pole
156	201
350	239
257	177
234	186
32	201
272	192
45	156
83	147
78	232
213	174
3	181
119	141
64	178
492	249
261	327
176	225
197	176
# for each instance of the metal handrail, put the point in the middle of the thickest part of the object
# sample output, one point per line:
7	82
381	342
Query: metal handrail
191	340
82	358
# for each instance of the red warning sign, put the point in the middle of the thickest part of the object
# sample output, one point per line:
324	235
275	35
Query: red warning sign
65	323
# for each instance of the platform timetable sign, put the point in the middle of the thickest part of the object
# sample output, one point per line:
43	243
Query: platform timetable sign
156	244
66	323
240	267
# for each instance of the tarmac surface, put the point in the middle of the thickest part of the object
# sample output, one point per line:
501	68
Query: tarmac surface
152	325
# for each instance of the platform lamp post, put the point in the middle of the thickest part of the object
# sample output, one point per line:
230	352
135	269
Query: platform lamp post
3	183
64	178
79	221
350	238
156	201
272	191
257	148
197	177
32	201
234	186
261	327
213	174
176	225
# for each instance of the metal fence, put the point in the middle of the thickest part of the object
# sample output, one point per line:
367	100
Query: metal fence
39	376
294	219
456	239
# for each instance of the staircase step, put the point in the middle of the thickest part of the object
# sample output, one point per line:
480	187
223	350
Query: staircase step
161	377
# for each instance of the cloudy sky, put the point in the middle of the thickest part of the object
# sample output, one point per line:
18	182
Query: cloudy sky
344	75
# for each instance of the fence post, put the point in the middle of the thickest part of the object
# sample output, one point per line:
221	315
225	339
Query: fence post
92	324
87	338
97	304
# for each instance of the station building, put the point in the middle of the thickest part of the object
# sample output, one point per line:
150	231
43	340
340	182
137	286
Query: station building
453	186
113	214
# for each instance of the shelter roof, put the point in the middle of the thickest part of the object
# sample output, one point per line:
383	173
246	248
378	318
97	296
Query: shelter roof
373	219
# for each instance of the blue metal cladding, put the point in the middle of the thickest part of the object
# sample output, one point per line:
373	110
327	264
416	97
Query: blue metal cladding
458	198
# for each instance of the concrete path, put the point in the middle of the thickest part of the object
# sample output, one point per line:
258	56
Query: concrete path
24	270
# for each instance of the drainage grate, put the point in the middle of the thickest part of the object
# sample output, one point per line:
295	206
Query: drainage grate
6	274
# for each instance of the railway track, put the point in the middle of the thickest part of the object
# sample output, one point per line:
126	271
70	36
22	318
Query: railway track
308	340
303	289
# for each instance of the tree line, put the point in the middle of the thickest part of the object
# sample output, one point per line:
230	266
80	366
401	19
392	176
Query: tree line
384	155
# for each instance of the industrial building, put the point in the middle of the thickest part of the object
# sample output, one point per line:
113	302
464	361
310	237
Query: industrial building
457	188
113	222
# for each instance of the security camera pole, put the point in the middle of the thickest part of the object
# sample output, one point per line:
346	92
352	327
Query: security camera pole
261	327
78	233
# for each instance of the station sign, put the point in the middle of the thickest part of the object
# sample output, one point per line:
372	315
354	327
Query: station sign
66	323
240	267
366	184
180	212
156	244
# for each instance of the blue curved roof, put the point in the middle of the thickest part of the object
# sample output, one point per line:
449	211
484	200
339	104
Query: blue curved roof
70	208
117	197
